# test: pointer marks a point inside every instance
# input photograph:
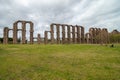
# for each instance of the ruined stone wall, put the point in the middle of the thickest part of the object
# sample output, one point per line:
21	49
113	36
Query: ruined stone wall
75	34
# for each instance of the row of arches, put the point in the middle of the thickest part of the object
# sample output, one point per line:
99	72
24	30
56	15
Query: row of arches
97	35
63	33
16	29
58	34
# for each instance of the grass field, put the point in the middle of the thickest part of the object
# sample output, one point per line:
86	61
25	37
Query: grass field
59	62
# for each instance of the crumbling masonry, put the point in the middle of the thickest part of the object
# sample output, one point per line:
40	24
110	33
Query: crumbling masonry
59	34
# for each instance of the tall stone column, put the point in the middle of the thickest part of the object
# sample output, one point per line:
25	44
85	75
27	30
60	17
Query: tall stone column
68	33
15	29
87	38
52	33
31	33
82	34
45	37
23	32
78	34
105	38
5	36
75	36
58	33
63	34
38	39
73	33
99	35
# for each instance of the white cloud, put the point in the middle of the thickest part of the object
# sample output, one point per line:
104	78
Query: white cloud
98	13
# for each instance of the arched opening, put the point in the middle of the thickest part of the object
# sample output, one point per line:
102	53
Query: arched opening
88	38
10	36
66	36
49	37
60	33
75	34
19	33
27	33
55	33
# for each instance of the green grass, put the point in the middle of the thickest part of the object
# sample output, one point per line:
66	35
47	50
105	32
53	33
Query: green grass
59	62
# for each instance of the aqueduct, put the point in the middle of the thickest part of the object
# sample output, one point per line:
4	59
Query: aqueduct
59	34
69	34
15	32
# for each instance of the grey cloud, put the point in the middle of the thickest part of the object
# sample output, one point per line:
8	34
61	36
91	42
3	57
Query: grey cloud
44	12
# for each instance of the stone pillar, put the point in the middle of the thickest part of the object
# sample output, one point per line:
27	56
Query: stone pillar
86	38
5	36
73	33
63	34
75	36
93	35
82	34
71	38
68	33
38	39
45	37
99	35
52	33
58	33
23	32
107	36
91	32
31	33
78	34
104	37
15	29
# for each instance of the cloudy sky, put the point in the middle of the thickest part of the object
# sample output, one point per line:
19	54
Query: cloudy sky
87	13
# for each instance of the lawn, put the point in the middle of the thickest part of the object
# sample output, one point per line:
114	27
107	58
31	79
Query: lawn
59	62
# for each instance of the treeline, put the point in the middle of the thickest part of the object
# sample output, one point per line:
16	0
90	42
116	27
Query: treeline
1	40
10	40
114	38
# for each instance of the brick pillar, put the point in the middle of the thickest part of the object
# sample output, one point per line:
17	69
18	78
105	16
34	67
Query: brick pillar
52	33
73	33
5	36
68	33
82	35
105	36
23	32
99	35
63	34
38	39
86	37
45	37
31	33
78	34
15	29
58	33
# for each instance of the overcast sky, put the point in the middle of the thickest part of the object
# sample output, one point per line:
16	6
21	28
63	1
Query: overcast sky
87	13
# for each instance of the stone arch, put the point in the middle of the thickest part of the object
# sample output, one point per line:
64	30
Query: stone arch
46	37
80	34
92	33
15	29
88	38
5	35
58	32
10	35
